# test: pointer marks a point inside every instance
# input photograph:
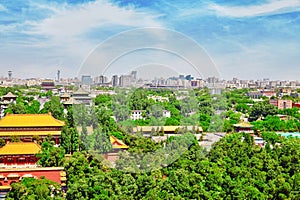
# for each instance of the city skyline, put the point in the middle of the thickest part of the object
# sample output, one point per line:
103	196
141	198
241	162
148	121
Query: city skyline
249	40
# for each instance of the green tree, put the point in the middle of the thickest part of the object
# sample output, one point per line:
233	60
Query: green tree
50	156
262	109
30	188
101	142
2	142
54	107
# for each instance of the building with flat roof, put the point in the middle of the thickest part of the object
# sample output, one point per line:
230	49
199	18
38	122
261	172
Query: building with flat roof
166	129
281	103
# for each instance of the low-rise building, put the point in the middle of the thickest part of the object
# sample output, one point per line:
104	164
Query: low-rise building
281	103
137	114
167	129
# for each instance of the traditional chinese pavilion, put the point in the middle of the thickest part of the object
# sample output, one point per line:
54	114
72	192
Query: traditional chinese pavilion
7	99
30	126
243	127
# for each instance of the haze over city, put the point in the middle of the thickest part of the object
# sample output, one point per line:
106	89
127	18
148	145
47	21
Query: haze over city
249	40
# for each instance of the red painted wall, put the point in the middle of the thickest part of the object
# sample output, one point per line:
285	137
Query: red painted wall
53	175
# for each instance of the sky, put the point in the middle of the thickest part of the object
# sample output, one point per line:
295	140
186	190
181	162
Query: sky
245	39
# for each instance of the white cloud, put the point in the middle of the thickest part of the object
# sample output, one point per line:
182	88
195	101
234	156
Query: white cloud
64	35
273	7
74	21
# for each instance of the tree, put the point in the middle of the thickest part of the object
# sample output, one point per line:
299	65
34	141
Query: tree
74	140
33	107
2	142
50	156
54	107
30	188
101	141
262	109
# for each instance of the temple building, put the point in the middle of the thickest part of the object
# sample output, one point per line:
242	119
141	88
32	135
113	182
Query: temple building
30	127
18	159
64	97
48	85
16	154
83	97
243	127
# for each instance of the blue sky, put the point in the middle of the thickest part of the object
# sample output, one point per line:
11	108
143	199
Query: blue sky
245	39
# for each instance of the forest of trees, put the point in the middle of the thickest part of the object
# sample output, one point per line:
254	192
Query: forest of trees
235	168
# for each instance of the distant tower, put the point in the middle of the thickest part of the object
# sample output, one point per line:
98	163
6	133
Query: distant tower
115	81
9	75
134	76
58	75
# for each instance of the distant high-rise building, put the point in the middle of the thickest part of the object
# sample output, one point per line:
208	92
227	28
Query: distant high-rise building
58	75
212	80
134	76
115	81
9	75
125	80
101	79
181	77
86	80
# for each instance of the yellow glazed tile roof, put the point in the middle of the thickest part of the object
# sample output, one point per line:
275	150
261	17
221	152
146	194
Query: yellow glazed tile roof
117	144
243	124
30	120
20	148
28	133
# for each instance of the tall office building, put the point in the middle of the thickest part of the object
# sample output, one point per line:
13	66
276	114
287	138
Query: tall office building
125	80
58	75
9	75
133	76
100	79
86	80
115	81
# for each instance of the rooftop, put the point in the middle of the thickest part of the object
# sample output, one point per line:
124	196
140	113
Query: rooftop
9	95
20	148
117	144
81	91
30	120
165	128
243	124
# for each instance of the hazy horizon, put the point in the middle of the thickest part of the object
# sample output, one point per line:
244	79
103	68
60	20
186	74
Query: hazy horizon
247	40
